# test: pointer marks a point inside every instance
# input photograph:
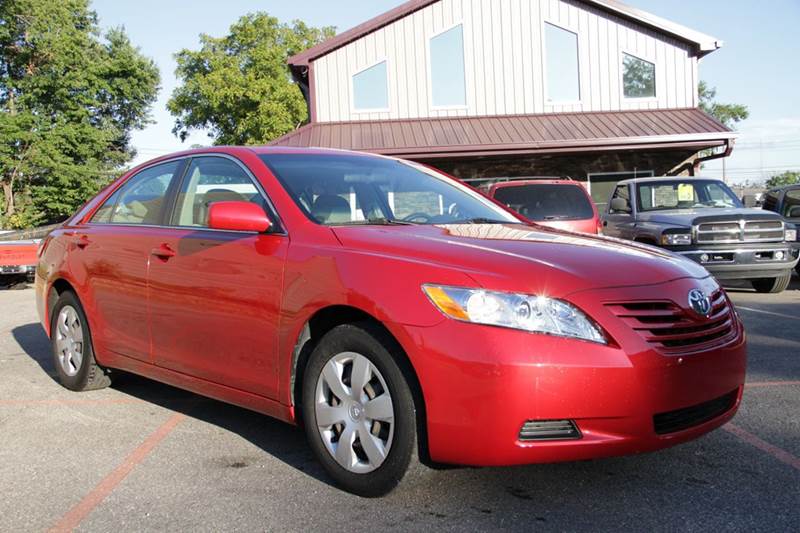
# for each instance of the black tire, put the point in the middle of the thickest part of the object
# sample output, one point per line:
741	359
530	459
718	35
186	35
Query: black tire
772	285
381	350
88	375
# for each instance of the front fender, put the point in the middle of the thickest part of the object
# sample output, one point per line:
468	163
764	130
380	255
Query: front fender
387	288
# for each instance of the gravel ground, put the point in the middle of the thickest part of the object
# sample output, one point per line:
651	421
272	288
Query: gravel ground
144	456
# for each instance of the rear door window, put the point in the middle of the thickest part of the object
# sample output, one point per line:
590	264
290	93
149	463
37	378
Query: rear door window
141	199
547	201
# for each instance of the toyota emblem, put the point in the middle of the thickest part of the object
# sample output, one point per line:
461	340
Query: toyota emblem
700	303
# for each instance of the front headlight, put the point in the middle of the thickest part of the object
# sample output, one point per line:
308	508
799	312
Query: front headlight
537	314
676	239
791	235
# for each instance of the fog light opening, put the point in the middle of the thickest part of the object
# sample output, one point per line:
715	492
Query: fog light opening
537	430
779	255
704	258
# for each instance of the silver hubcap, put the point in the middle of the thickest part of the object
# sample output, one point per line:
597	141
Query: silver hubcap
355	415
69	340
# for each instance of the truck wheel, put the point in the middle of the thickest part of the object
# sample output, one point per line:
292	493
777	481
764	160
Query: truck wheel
358	410
772	285
73	354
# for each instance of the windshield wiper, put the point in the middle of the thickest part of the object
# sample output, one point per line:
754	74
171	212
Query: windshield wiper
379	222
480	220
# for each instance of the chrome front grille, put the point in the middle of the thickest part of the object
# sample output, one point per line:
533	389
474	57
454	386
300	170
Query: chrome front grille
674	330
738	231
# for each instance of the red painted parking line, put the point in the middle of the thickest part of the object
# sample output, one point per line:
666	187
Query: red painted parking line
770	383
82	509
75	401
778	453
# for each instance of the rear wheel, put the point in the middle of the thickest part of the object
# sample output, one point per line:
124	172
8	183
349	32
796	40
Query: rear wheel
772	285
358	410
71	341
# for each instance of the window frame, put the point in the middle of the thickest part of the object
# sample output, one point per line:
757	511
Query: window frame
429	57
627	52
545	74
277	228
355	110
171	198
631	188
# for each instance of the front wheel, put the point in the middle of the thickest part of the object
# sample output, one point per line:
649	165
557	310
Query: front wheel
772	285
358	410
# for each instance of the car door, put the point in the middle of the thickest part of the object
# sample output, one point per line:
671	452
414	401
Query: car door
110	255
620	223
215	295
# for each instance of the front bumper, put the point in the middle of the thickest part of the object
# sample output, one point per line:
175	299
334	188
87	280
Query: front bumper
14	270
744	261
481	384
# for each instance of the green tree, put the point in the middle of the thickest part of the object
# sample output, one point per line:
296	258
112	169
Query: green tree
728	114
238	87
69	99
785	178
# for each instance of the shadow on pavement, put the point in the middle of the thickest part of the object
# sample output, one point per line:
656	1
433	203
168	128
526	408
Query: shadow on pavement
283	441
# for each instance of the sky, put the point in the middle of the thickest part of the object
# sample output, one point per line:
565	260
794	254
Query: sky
759	64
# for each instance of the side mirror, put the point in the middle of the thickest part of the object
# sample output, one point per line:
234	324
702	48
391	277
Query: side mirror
620	205
794	212
238	216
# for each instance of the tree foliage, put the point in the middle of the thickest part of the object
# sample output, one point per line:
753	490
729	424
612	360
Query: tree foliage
728	114
785	178
69	99
238	87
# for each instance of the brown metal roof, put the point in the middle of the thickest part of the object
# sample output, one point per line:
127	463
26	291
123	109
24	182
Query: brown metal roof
703	43
510	134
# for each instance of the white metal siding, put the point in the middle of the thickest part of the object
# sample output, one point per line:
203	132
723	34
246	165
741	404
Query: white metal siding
504	61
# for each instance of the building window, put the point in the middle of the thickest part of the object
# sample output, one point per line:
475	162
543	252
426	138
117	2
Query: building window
448	82
563	74
638	77
371	88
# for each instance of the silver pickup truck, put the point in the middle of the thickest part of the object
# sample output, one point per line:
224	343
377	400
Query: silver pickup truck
702	219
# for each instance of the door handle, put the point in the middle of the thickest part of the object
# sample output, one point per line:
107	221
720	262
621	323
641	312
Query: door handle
163	252
81	241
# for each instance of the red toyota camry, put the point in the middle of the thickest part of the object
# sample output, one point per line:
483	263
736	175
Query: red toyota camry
386	308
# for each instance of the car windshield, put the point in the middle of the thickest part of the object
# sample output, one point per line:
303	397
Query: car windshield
543	202
356	190
685	194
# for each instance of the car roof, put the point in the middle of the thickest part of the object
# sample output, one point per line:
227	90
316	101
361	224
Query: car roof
784	188
667	178
536	181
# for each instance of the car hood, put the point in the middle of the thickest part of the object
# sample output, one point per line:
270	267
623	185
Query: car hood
518	257
688	217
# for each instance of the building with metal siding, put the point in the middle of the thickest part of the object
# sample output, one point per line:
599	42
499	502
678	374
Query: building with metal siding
496	89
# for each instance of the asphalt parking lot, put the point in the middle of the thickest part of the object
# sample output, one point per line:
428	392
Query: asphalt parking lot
144	456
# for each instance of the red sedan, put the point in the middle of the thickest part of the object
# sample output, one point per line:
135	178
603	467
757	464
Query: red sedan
386	307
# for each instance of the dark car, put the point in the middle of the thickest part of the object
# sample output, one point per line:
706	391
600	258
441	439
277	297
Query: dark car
786	202
702	219
556	203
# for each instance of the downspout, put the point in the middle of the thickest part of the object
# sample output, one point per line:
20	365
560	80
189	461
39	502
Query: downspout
693	166
300	76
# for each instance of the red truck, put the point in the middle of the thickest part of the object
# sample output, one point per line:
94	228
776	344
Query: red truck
17	260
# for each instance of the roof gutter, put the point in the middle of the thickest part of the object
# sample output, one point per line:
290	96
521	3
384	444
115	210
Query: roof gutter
693	166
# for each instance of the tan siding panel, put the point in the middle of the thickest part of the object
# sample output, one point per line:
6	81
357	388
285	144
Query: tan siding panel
504	63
